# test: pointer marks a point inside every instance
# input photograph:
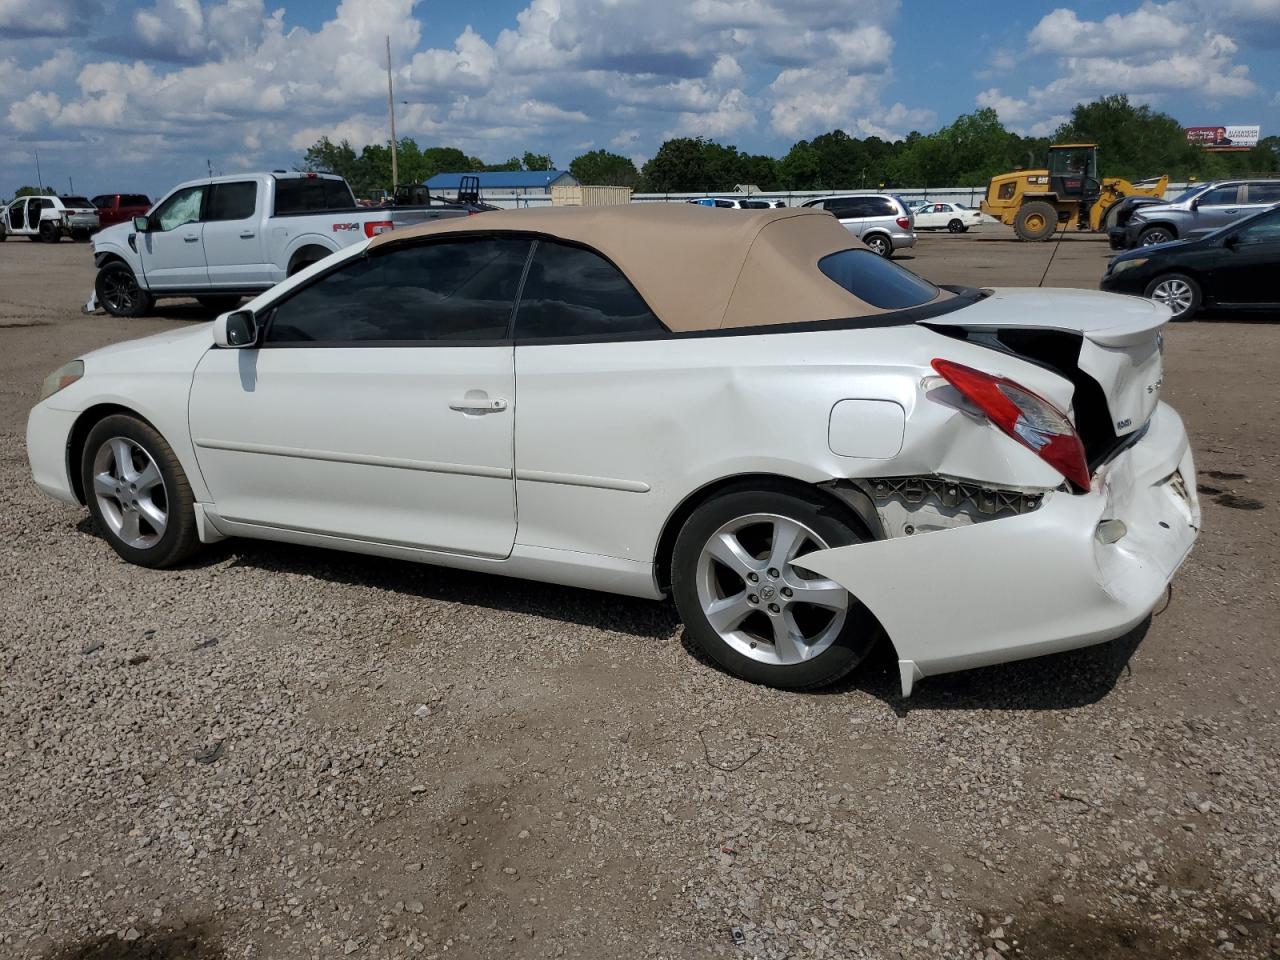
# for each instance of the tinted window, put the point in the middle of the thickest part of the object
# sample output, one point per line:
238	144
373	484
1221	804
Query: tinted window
572	292
300	194
458	290
1264	193
756	204
232	201
134	200
76	202
872	278
1266	229
103	201
181	207
846	207
880	207
1220	196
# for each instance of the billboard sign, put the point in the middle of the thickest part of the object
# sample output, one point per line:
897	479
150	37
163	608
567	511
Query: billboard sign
1225	137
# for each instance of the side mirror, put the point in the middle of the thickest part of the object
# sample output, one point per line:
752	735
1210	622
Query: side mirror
142	224
236	330
1231	241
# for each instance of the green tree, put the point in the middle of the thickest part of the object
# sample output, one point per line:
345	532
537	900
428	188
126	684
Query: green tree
537	161
34	192
1134	142
602	168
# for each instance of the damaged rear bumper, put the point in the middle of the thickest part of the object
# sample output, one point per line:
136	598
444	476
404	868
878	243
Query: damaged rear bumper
1039	583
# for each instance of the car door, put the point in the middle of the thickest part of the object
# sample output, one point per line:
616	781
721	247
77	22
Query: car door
171	250
590	358
1244	273
16	216
232	243
1215	209
378	406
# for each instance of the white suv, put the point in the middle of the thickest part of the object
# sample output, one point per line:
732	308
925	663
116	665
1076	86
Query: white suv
49	218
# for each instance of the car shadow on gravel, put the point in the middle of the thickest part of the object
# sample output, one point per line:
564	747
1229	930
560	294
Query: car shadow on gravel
191	942
1076	678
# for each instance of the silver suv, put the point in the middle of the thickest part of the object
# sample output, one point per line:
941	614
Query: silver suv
880	220
1196	213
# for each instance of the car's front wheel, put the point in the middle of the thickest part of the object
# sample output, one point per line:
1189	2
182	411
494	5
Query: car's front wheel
880	244
1153	235
137	492
118	291
1178	292
746	604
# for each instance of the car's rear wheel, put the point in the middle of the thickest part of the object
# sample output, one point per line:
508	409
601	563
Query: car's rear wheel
49	233
955	226
880	244
1153	235
118	291
137	492
745	603
1178	292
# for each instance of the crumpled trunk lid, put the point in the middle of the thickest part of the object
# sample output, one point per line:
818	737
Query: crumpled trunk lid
1108	345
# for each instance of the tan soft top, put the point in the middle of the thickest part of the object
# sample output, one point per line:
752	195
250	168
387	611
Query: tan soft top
698	268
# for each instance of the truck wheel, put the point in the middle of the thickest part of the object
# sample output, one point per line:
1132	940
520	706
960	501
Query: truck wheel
3	233
1035	221
1153	235
80	236
49	233
118	292
220	302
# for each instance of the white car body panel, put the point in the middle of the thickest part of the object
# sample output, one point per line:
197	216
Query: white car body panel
929	217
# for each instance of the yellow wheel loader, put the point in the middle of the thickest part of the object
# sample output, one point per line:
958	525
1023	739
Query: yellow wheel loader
1035	202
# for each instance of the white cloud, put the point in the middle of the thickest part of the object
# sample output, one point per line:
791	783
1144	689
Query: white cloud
1150	27
45	18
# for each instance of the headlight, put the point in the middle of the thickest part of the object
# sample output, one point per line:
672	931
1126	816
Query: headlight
63	377
1124	265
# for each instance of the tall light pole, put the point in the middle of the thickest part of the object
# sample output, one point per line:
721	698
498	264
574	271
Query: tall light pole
391	107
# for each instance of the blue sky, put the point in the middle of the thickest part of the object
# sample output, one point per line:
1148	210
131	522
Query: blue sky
140	94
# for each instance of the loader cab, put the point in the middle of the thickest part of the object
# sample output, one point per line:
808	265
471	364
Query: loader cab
1073	171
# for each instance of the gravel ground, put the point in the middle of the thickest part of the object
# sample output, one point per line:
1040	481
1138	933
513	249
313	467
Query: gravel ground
279	752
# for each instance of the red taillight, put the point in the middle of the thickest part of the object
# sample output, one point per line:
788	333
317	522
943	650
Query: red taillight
375	227
1030	419
904	222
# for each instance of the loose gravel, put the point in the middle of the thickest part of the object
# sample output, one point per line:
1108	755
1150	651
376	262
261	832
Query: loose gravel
279	752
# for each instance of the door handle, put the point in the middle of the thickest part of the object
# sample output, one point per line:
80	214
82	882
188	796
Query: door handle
1231	213
479	405
246	235
191	238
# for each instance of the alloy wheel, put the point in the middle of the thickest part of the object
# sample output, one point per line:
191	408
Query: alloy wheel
1152	237
130	492
120	290
758	601
1174	294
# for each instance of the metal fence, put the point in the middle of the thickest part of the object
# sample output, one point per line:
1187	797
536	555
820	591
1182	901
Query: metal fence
970	196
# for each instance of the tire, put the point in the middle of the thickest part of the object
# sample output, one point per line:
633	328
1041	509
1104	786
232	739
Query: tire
118	291
4	234
1180	293
1036	221
832	642
80	236
220	302
955	226
144	508
1157	234
880	244
49	233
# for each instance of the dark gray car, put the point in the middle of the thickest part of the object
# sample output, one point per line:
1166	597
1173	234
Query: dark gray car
1194	215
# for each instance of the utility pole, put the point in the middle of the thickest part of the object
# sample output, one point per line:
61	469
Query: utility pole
209	166
391	107
39	177
72	184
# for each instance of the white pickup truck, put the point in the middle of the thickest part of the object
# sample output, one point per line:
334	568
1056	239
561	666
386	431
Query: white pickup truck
225	238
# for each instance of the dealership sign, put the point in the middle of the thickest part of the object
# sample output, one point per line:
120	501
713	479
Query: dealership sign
1224	137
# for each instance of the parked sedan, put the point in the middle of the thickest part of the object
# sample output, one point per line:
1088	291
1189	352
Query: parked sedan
800	442
1232	268
946	216
732	203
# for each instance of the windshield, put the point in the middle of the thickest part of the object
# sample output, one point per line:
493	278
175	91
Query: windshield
1190	192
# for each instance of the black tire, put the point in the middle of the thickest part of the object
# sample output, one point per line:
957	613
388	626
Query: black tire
835	524
305	258
955	226
118	291
880	244
1036	221
49	233
80	236
220	302
4	234
179	537
1169	282
1157	234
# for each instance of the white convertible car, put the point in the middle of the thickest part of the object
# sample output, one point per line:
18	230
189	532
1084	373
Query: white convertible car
800	442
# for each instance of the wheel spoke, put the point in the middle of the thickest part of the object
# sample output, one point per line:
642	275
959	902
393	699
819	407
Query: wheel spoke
821	593
788	537
123	453
728	550
788	641
727	614
154	516
104	485
148	478
129	528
